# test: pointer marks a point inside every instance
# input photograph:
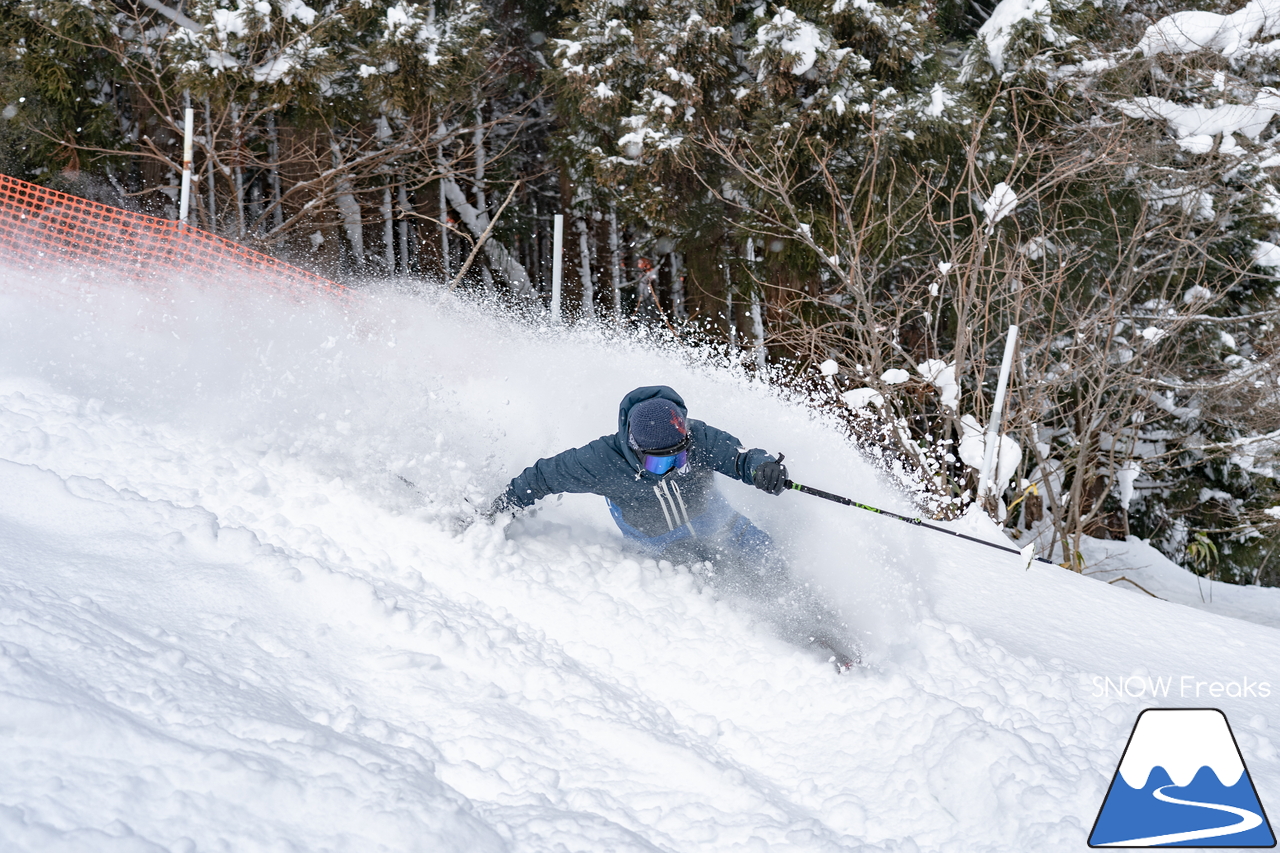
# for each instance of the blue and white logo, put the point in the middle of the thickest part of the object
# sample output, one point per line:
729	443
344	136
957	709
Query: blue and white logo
1182	783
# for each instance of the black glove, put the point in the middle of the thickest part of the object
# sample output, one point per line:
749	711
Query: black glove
770	477
502	503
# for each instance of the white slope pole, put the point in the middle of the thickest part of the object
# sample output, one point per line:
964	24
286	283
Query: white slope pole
992	440
184	205
556	267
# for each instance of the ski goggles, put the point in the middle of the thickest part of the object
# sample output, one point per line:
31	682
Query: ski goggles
662	464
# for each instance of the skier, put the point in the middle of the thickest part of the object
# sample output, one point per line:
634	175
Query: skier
657	476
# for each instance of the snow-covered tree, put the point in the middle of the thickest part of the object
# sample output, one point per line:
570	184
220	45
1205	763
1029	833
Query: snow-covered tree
1135	260
312	122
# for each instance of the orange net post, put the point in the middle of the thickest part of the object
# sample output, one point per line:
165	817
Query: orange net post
39	226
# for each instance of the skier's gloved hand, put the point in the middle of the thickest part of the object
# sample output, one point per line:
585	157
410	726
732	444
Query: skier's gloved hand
770	477
502	503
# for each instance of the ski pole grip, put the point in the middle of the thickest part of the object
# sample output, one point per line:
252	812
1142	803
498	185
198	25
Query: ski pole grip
787	485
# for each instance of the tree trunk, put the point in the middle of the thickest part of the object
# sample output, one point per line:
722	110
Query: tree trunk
757	316
388	231
501	260
646	294
349	208
212	190
477	138
728	309
1076	508
273	176
386	208
406	213
677	289
237	143
446	272
255	207
757	331
615	262
535	242
584	270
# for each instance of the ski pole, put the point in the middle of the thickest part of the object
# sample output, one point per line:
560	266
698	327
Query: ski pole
1025	553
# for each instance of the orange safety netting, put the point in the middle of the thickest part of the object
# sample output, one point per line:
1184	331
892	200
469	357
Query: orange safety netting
39	226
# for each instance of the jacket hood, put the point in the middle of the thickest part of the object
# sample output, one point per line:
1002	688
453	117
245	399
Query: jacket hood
648	392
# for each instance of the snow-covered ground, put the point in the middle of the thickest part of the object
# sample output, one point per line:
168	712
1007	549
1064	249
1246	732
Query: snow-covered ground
226	625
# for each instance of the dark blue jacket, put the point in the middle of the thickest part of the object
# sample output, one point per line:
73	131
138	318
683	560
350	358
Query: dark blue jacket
652	505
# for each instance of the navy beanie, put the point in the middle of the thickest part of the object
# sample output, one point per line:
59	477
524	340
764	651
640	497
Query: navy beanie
656	424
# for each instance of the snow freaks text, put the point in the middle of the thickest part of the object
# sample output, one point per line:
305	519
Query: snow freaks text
1181	687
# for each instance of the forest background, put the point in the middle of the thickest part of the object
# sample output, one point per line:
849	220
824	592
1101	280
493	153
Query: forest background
852	198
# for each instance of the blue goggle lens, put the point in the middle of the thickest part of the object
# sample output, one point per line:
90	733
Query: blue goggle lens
663	464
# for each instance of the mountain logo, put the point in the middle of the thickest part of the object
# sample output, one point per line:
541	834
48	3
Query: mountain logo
1182	783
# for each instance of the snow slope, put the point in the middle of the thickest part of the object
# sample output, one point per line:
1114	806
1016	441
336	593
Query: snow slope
226	625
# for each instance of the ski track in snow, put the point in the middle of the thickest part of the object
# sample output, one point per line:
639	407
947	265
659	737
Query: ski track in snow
224	627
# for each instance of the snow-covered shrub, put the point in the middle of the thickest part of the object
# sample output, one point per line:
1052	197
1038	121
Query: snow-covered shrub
1020	185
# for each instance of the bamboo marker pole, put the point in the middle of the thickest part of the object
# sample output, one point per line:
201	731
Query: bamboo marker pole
556	266
188	154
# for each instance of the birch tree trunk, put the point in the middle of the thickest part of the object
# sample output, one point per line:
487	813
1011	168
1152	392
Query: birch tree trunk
348	207
388	230
386	209
584	270
477	139
500	260
615	262
237	143
757	331
757	316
